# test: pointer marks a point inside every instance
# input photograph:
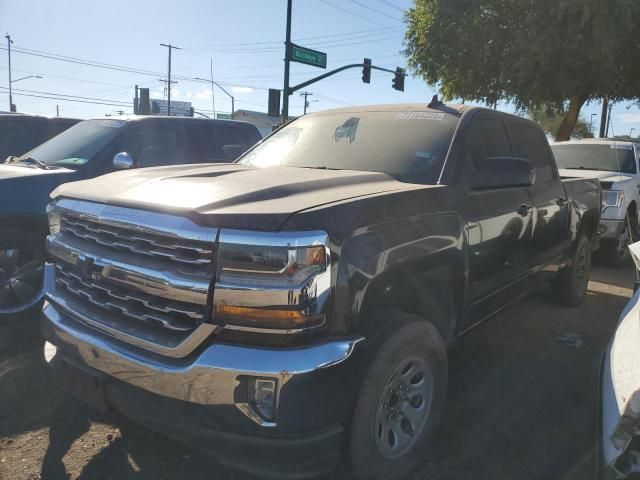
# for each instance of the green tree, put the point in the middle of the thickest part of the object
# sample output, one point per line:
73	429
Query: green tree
550	121
560	53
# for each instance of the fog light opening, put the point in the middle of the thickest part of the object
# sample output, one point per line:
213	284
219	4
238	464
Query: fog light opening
262	396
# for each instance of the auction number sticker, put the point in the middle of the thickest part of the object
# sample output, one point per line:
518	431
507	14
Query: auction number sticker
420	116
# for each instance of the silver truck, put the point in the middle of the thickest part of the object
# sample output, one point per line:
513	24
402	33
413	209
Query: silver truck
616	165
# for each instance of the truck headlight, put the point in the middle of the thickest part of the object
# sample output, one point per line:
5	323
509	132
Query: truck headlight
612	198
53	216
271	281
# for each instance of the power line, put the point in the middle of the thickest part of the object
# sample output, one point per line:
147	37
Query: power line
301	39
351	13
91	63
363	5
68	99
70	96
391	5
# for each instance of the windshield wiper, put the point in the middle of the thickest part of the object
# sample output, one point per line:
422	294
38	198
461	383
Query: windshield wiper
588	168
323	167
31	160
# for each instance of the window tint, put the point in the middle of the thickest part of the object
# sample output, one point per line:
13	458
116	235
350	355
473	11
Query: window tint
530	143
231	142
486	138
156	143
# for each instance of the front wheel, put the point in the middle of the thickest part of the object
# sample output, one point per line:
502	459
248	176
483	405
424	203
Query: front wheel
21	274
400	401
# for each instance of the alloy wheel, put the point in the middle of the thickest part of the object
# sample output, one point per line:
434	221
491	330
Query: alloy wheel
21	279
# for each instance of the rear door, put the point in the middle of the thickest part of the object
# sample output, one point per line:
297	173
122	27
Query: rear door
498	228
550	220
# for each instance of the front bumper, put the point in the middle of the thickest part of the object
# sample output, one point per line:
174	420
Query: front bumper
203	400
611	229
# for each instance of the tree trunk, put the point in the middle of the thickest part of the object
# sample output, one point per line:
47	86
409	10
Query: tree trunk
571	118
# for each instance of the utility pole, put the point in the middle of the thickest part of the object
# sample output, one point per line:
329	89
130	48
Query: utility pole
169	82
9	42
213	95
306	101
606	133
603	117
287	58
57	110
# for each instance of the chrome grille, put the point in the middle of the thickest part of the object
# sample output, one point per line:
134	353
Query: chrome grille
137	241
175	316
143	277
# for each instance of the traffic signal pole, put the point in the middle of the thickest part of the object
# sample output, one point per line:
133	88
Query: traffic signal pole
337	70
287	60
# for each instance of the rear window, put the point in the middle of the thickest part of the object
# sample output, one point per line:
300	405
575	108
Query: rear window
607	157
409	146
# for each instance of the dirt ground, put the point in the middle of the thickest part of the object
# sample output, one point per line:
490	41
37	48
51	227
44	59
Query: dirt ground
522	405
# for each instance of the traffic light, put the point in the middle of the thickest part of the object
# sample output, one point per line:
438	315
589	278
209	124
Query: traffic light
398	80
366	70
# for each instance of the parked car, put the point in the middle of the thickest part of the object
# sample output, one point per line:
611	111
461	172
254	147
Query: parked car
619	451
89	149
20	133
298	304
616	164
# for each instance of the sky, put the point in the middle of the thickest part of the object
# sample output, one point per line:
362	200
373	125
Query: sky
243	37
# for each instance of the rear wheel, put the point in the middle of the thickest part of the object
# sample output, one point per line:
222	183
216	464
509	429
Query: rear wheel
570	287
400	401
21	274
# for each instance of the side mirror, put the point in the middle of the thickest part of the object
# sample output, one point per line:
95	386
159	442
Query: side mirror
500	172
123	161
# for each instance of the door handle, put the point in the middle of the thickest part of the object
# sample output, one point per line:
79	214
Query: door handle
562	202
524	210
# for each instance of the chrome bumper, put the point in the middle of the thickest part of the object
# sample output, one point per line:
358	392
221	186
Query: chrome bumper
215	375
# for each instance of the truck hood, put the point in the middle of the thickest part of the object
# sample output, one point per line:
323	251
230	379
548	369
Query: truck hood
600	175
230	195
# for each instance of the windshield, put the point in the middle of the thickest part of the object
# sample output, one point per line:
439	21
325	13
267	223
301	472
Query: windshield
607	157
75	147
414	153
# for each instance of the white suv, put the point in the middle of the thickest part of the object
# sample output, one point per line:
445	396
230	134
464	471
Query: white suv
615	164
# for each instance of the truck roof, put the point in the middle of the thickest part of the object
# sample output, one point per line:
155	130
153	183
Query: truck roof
138	118
596	141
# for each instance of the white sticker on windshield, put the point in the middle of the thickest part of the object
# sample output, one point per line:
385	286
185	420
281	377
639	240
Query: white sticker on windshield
420	116
617	146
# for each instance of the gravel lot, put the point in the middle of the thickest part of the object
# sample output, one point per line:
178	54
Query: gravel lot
522	405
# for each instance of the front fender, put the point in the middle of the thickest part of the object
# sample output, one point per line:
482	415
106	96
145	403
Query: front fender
403	253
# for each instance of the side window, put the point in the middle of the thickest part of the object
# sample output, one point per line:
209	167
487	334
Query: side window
231	142
530	143
153	143
487	137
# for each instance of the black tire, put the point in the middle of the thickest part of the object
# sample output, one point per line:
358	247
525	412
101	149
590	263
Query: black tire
21	275
411	353
570	287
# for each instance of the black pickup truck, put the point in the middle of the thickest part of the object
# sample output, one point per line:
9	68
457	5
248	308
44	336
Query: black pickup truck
297	305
